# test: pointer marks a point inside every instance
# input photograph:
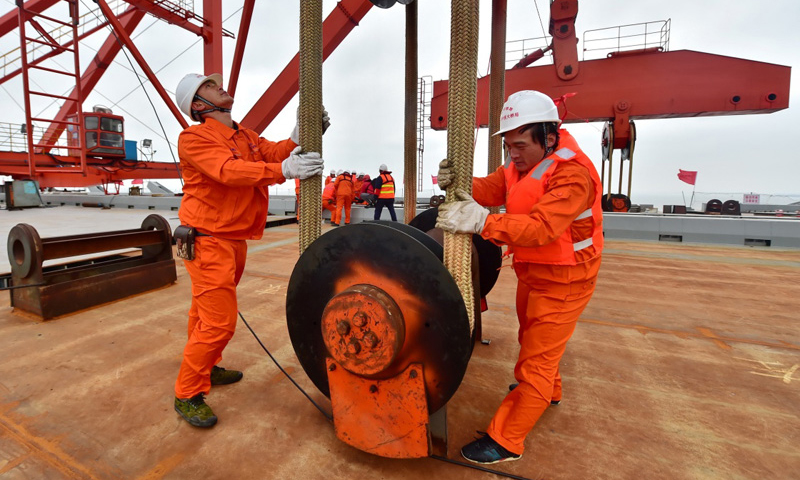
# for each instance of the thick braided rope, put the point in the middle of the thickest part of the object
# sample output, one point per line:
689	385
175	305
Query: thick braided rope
310	115
497	86
460	136
410	131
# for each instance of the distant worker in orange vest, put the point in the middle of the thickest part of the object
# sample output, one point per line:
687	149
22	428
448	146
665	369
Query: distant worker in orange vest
553	225
344	198
226	170
330	178
384	188
329	198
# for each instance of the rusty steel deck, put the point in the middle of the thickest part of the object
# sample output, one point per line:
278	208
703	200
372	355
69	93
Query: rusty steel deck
684	366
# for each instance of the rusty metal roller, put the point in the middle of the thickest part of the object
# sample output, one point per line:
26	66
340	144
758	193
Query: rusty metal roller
375	298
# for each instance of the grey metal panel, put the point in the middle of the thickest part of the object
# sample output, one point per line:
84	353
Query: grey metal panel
713	229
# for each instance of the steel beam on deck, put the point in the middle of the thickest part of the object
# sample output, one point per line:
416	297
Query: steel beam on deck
49	292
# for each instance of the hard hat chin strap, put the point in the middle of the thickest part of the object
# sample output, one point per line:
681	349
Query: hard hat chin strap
547	149
198	113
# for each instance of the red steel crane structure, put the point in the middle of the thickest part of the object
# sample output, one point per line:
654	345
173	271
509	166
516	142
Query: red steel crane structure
642	83
39	162
634	84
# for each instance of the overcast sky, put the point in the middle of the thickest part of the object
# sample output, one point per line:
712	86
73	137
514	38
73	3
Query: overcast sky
363	88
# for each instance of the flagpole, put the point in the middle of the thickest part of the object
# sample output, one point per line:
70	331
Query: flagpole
691	201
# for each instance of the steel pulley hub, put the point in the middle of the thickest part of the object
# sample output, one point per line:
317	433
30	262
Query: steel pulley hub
412	308
363	329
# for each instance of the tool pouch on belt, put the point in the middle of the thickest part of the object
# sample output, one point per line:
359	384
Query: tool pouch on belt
184	240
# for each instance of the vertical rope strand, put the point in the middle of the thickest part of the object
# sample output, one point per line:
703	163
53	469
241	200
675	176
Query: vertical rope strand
410	146
460	136
310	117
497	86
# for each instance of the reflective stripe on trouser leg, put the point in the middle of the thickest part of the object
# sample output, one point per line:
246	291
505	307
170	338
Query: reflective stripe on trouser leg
546	323
215	272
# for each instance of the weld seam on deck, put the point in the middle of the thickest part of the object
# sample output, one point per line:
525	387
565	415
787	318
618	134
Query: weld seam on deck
51	455
706	334
704	258
279	243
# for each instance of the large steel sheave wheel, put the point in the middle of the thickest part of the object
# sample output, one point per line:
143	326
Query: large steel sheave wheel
376	297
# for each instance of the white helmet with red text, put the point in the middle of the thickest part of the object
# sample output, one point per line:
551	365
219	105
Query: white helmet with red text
527	106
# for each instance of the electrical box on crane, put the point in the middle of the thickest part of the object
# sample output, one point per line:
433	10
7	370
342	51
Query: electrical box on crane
104	134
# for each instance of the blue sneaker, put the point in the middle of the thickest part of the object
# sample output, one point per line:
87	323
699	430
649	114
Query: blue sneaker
486	451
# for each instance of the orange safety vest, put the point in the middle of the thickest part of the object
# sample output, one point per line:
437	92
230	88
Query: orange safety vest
344	185
523	193
387	187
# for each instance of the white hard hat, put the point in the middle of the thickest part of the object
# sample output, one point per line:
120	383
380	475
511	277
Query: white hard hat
333	172
339	172
527	106
361	174
188	86
383	168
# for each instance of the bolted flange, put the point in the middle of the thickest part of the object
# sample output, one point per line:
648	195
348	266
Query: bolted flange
363	329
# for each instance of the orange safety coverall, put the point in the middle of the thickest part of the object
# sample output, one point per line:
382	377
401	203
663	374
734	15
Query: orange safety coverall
226	173
344	198
329	198
549	299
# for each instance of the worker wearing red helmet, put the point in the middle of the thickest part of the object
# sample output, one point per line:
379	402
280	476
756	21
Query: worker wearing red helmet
226	170
553	227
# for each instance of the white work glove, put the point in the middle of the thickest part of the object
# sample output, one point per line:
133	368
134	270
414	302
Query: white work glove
302	165
463	216
326	122
446	176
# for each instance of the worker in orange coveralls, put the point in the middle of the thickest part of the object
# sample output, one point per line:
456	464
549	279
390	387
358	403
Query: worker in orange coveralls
553	226
329	198
330	178
344	197
226	170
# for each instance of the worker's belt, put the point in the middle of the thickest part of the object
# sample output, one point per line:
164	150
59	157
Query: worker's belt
184	237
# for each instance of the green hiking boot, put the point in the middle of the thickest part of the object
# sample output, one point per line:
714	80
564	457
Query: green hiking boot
220	376
195	411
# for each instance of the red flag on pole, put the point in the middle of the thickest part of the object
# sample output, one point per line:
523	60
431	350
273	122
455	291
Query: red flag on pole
137	181
435	179
687	176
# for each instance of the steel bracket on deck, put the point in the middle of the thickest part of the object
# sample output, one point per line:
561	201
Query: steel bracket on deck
52	291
